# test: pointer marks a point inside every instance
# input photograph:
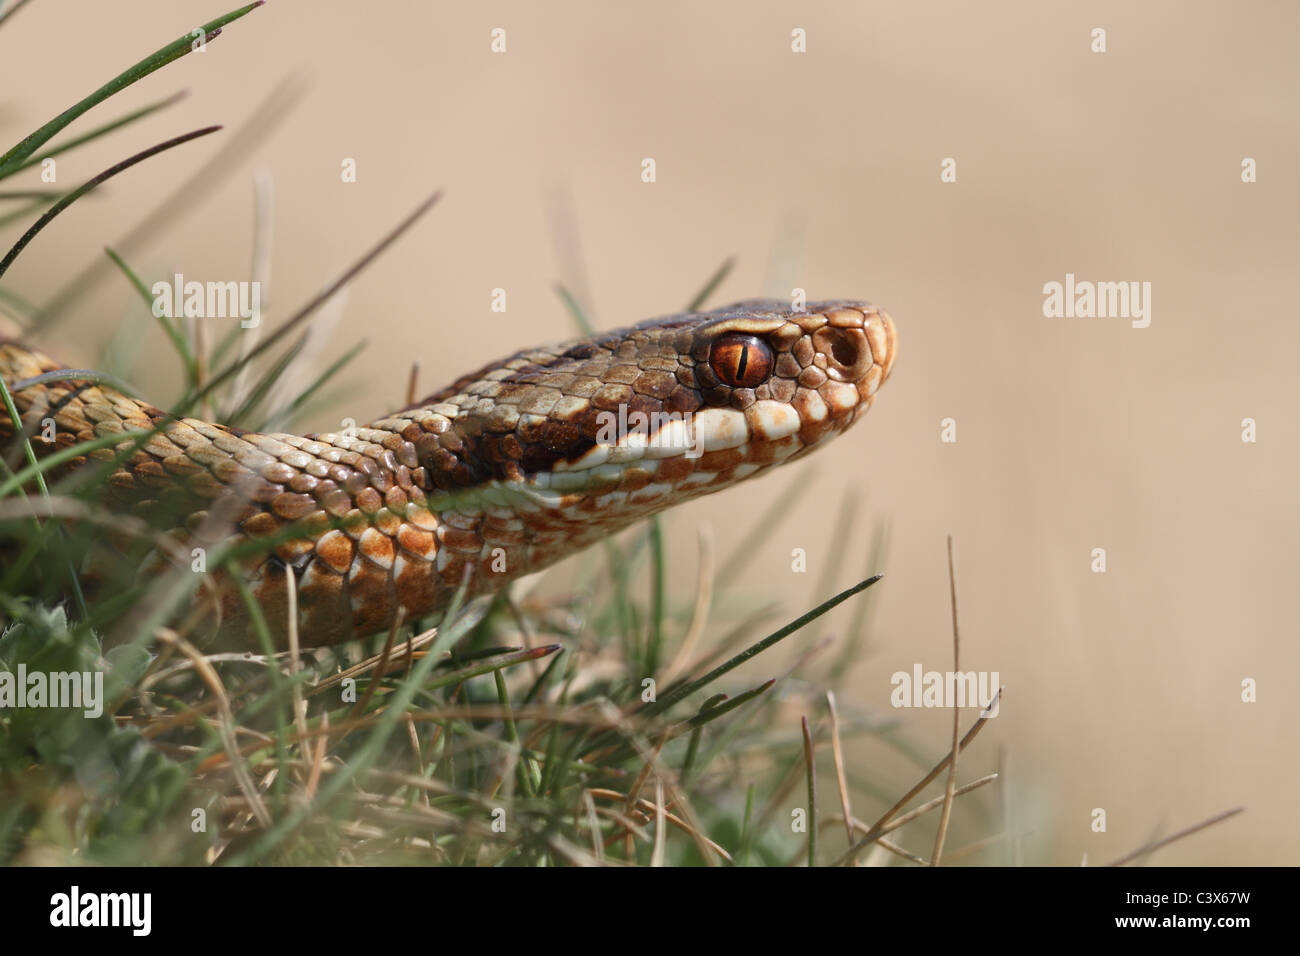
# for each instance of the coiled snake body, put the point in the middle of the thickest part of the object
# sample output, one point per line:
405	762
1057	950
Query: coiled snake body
500	474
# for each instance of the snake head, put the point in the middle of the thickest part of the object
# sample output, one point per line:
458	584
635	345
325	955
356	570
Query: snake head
720	395
806	374
666	409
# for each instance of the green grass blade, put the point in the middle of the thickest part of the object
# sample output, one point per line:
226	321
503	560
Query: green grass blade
747	828
543	681
74	375
672	697
90	184
25	211
19	304
810	768
654	642
576	311
280	417
12	10
52	461
257	394
179	342
11	161
30	453
721	704
104	130
50	194
279	696
711	285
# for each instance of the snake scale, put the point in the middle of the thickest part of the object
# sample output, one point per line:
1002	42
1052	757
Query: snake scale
500	474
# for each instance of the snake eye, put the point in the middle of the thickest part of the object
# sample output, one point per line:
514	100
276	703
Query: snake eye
741	360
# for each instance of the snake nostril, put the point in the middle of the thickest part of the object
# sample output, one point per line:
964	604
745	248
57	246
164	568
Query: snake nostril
848	356
844	351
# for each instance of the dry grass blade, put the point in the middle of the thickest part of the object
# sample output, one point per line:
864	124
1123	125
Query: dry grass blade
295	658
903	819
593	823
897	850
897	823
225	726
841	778
657	851
676	798
878	827
648	807
970	849
700	612
403	650
1152	847
384	657
810	766
634	793
318	758
413	382
956	720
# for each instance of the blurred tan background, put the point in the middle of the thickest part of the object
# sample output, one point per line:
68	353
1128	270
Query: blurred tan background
821	171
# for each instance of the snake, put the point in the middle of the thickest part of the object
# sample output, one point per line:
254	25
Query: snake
500	474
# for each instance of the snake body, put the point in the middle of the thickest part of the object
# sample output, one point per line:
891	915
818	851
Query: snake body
500	474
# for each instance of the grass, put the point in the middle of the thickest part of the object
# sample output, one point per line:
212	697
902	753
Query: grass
520	730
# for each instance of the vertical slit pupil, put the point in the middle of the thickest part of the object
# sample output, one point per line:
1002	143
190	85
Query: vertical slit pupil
740	360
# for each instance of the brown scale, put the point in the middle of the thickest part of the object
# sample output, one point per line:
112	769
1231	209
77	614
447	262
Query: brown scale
376	521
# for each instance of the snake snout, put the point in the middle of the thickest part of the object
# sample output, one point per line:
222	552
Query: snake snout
857	347
884	339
